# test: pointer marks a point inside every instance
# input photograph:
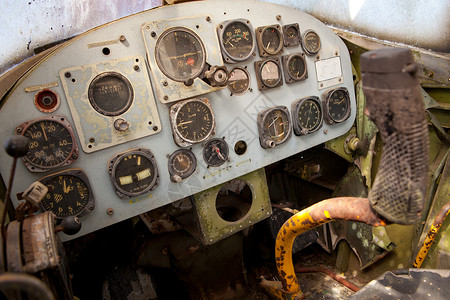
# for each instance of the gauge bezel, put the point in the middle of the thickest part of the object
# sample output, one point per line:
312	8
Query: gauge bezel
265	141
258	68
115	161
263	51
304	42
123	79
248	81
226	55
295	108
291	41
62	120
199	41
226	152
179	139
80	174
288	77
42	106
325	101
174	172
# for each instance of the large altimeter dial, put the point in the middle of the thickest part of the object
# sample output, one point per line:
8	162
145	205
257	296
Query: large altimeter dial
133	172
192	121
274	126
180	54
336	105
236	40
52	143
306	115
69	194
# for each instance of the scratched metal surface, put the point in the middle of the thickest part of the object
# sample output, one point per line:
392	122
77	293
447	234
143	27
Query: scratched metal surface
235	115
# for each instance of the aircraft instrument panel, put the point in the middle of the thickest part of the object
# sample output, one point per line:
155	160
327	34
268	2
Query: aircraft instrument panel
170	102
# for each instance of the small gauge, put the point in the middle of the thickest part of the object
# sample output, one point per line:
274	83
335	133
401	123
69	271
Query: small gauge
192	121
133	172
236	39
270	40
69	194
268	73
46	101
110	94
311	42
239	81
52	143
274	126
215	152
180	54
306	115
291	35
182	163
336	103
294	67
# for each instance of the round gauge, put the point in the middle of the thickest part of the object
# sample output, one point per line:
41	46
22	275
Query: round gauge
110	94
215	152
180	54
69	194
311	42
133	172
307	115
296	67
291	31
271	40
274	126
193	120
270	73
237	40
52	143
239	81
182	163
337	103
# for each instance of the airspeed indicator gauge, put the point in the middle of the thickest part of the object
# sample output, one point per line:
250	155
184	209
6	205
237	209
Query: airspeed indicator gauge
236	40
336	105
133	172
52	143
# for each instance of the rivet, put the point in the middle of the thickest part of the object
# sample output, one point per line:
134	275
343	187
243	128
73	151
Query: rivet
110	211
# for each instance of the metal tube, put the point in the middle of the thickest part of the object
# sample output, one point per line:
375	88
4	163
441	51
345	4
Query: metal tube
330	273
437	223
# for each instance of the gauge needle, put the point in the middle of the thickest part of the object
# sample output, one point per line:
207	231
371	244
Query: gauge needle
341	101
65	188
43	131
184	123
218	153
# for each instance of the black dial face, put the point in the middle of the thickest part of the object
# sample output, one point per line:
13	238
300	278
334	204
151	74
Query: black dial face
296	67
338	104
51	143
270	73
180	54
182	163
272	40
239	81
276	125
291	31
134	172
68	195
194	121
309	115
311	42
215	152
110	94
237	40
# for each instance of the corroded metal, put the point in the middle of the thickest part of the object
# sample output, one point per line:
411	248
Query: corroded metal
443	213
329	273
343	208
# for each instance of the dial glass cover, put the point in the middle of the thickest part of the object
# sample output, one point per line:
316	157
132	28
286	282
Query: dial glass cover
194	121
270	73
291	35
237	40
215	152
307	116
274	127
69	194
239	81
110	94
180	54
271	40
311	42
182	163
296	66
338	105
52	143
133	172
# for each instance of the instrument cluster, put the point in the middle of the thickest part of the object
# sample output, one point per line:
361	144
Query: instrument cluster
176	106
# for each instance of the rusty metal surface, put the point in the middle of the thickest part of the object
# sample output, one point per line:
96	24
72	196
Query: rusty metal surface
329	273
443	213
